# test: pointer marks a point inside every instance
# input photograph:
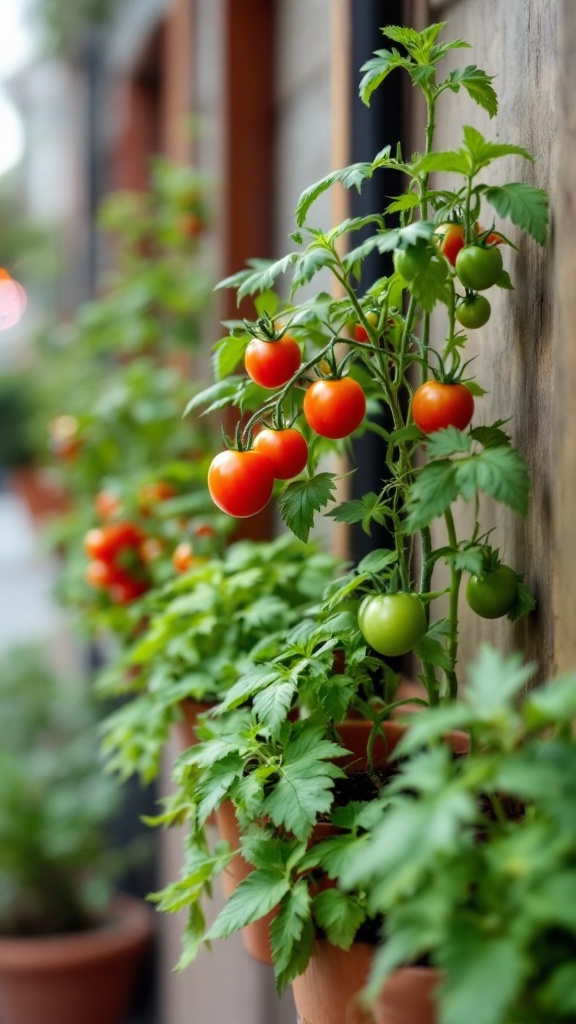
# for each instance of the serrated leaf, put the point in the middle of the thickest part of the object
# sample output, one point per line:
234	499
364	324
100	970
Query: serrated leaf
434	490
271	705
352	260
492	436
449	161
352	176
258	678
448	441
227	354
478	85
500	472
429	287
306	778
482	153
255	897
339	915
430	650
526	206
377	69
292	935
365	510
414	235
493	680
408	201
215	396
315	258
505	281
302	499
525	602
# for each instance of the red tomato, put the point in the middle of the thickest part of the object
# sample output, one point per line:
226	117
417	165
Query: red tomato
104	543
272	363
336	407
97	545
286	449
450	239
436	405
240	483
126	589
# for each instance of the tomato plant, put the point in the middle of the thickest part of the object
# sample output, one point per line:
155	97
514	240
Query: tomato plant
494	593
479	267
335	408
473	311
271	363
436	405
392	623
286	449
241	482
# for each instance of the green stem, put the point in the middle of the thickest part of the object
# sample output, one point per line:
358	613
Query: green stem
455	578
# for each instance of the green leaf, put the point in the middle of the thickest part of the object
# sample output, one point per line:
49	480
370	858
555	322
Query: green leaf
217	395
352	176
339	915
525	602
376	561
266	303
408	201
435	489
306	777
271	705
448	441
526	206
302	498
255	897
430	647
493	680
481	152
483	975
448	161
365	510
500	472
429	286
292	935
505	281
227	354
315	258
377	69
478	85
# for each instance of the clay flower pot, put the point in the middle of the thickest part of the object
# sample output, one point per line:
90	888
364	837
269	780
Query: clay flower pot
185	729
86	976
408	997
327	991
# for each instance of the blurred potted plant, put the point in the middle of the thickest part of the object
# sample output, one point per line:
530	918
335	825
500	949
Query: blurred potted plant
62	931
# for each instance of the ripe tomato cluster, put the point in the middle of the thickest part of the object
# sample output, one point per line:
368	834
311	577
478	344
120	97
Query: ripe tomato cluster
116	564
241	480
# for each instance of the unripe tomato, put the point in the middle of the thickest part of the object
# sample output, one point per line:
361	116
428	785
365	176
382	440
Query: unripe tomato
360	332
392	623
492	595
336	407
478	267
436	406
240	483
474	311
272	363
286	449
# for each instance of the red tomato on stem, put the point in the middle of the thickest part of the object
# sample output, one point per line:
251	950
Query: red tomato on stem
241	483
286	449
272	363
336	407
436	405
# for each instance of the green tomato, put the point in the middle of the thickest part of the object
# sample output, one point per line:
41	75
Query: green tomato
392	623
474	311
493	594
407	264
479	267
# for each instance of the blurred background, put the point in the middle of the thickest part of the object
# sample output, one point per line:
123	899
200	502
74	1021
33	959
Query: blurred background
147	149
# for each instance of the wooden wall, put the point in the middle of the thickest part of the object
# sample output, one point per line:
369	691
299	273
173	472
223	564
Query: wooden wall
515	357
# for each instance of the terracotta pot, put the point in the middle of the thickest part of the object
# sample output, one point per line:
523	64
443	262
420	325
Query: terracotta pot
355	734
408	997
186	728
41	491
86	977
326	993
256	936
